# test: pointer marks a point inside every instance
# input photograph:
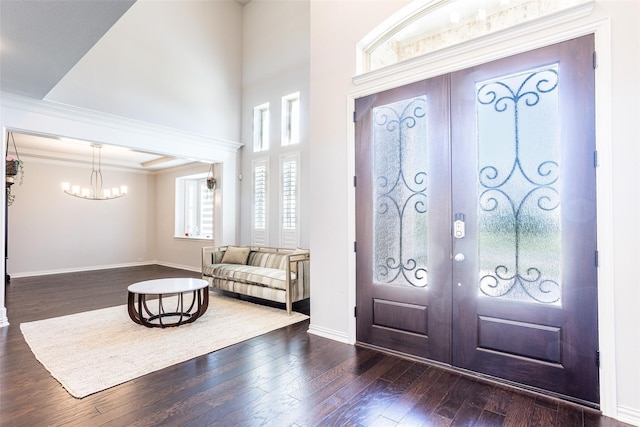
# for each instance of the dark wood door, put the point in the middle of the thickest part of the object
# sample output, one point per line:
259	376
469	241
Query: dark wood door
524	177
402	229
510	291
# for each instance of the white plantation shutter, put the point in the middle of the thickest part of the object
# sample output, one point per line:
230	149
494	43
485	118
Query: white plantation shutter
259	217
289	176
289	201
205	209
190	206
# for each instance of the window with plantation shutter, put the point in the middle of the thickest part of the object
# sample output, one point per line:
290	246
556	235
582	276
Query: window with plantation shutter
205	209
260	193
289	200
194	207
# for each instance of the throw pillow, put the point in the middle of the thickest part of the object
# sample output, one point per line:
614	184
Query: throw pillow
235	255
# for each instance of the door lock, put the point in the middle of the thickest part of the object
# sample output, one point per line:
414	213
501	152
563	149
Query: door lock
458	226
459	257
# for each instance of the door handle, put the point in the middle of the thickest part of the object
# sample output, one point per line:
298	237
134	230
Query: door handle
458	226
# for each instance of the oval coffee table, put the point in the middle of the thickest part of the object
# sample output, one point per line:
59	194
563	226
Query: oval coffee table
140	312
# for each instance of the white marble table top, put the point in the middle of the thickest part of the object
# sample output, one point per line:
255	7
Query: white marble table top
167	286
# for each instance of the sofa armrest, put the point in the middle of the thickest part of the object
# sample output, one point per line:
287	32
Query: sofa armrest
297	262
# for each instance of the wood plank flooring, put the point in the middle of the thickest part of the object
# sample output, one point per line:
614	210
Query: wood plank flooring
284	378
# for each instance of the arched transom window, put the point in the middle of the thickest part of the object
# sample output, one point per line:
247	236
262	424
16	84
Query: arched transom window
425	26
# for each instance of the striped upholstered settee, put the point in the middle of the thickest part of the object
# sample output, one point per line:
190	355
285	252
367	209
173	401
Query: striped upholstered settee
275	274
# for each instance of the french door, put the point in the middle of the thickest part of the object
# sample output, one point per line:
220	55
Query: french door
476	220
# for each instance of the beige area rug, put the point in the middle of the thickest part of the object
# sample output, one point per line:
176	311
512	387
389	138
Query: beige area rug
95	350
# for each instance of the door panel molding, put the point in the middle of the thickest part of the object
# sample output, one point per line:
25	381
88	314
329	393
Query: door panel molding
530	340
391	314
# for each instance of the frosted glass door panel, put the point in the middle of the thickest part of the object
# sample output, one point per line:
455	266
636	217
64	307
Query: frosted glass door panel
400	193
519	167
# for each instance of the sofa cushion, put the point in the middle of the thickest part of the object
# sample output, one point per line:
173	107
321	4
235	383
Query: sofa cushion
267	260
235	255
271	277
271	294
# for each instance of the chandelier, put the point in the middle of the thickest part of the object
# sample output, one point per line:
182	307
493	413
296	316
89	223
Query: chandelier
95	191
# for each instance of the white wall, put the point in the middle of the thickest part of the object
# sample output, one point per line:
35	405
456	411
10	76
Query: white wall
625	115
275	64
172	63
50	231
336	28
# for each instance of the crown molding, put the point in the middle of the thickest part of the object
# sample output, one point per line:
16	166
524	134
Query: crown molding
135	128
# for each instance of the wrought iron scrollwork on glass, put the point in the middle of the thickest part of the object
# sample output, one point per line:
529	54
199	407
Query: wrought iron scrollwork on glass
400	193
519	202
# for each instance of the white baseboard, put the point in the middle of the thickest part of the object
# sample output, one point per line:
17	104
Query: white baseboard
4	321
102	267
629	415
79	269
181	267
329	333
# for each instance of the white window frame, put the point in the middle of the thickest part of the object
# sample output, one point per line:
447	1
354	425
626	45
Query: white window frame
190	224
261	127
289	230
290	130
260	226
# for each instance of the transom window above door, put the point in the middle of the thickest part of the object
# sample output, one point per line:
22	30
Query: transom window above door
425	26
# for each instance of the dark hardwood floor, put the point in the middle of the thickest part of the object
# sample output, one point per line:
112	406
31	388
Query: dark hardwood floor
284	378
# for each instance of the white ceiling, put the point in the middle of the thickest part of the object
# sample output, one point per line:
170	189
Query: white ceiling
69	150
40	41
